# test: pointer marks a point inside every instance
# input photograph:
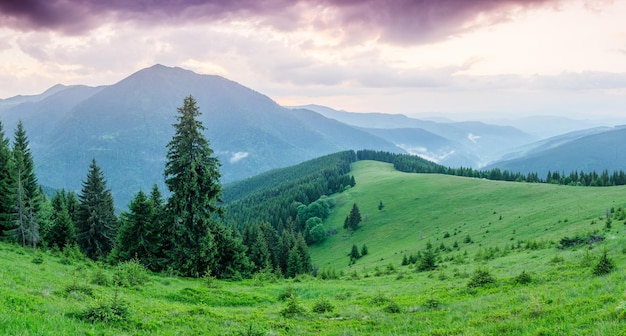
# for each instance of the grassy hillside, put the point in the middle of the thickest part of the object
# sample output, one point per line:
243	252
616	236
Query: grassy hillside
49	293
422	207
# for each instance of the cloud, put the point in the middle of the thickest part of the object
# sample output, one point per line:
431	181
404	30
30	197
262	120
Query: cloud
238	156
400	21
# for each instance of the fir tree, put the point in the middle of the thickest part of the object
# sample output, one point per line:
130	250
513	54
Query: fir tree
62	232
26	195
96	223
136	238
7	185
199	240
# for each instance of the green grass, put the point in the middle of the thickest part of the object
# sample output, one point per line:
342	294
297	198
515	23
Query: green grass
46	293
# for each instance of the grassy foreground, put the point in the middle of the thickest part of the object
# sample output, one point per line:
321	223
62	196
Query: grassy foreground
513	227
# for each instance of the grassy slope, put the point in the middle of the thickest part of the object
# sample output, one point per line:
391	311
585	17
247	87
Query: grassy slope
422	207
563	299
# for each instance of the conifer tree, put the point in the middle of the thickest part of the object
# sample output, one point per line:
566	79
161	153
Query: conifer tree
199	242
7	185
136	237
96	224
26	194
62	232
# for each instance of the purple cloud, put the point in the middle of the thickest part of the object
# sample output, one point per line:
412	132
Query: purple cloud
396	21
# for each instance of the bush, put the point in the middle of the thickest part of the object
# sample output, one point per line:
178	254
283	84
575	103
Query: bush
392	307
116	311
523	278
100	277
604	265
293	308
322	305
131	274
288	293
481	278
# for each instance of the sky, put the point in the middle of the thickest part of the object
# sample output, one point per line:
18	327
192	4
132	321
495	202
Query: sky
459	59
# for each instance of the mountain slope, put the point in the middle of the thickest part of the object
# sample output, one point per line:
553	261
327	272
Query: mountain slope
126	127
476	143
592	150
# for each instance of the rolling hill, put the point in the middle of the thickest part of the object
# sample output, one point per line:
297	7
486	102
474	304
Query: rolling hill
515	229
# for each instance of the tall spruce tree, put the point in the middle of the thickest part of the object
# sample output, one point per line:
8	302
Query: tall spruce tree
96	222
7	185
26	194
192	176
136	237
62	232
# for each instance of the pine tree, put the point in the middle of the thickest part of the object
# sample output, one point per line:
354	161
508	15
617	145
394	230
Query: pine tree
62	233
353	219
192	176
96	223
7	185
135	237
26	206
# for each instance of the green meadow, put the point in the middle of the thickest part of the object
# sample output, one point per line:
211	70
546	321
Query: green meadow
500	269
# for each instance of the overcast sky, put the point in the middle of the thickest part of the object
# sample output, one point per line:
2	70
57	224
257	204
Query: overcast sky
457	58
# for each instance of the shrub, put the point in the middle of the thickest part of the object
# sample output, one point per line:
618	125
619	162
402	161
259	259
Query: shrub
523	278
322	305
100	277
604	265
292	308
480	278
392	307
288	293
116	311
131	274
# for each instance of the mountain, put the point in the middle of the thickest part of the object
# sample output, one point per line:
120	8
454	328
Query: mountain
471	144
126	127
594	149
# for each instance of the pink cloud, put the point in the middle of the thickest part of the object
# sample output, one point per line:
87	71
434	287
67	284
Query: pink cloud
396	21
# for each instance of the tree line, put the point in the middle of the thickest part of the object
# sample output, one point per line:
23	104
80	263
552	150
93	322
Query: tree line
415	164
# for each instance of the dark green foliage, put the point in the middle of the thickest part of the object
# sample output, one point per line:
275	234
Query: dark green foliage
294	264
62	233
115	311
353	219
7	185
274	197
392	307
293	308
323	305
427	260
130	274
192	176
604	266
467	239
25	192
523	278
381	206
481	277
96	224
364	250
138	236
316	234
567	242
354	253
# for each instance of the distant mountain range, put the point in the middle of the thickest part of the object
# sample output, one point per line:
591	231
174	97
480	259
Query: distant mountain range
595	149
126	127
